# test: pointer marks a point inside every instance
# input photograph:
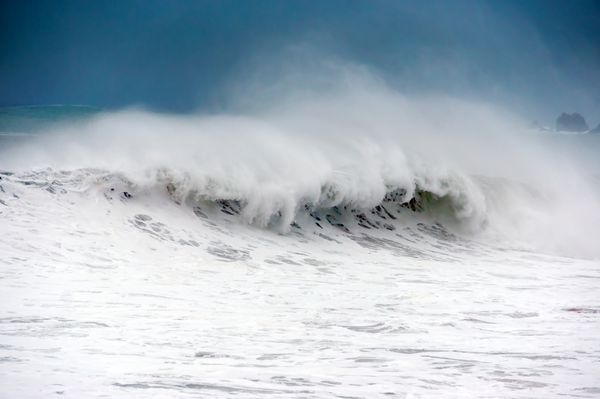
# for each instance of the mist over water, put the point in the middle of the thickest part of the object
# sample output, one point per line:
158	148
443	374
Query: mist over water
359	140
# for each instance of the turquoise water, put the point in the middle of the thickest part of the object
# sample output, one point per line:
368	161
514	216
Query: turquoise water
32	118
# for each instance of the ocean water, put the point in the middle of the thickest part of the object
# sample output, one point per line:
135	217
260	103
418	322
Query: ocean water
246	256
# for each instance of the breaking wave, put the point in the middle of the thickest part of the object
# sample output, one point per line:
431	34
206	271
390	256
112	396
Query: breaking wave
363	156
453	197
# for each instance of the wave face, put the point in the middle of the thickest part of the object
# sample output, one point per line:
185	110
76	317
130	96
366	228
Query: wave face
328	216
351	245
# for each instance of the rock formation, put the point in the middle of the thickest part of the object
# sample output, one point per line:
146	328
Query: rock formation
571	123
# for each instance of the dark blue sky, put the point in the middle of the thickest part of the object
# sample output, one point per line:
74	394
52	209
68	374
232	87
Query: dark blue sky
540	57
